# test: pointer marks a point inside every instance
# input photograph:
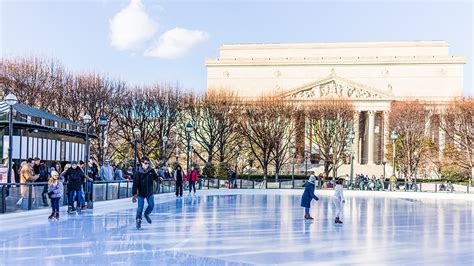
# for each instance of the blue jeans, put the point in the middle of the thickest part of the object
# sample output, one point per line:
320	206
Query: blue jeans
55	204
141	203
306	210
75	194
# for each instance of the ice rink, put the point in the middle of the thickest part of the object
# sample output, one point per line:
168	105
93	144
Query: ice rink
241	227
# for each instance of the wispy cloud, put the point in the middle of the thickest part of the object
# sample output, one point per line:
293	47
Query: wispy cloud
176	43
131	27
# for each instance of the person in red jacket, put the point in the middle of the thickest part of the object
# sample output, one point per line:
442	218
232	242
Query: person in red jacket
192	179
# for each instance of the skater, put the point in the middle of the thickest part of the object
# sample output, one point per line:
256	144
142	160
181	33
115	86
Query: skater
192	179
75	179
308	195
55	192
178	178
143	189
338	199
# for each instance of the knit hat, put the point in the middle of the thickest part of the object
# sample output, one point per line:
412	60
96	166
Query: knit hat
74	162
312	179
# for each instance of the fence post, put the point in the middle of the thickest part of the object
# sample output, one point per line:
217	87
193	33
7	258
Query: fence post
468	186
240	183
107	191
118	190
218	183
266	183
421	190
92	193
208	183
4	205
436	187
128	185
30	197
279	184
253	184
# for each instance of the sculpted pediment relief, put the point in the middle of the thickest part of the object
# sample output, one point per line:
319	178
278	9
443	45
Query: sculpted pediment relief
335	87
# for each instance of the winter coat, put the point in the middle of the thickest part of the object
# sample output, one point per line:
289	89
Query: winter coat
57	189
193	176
43	174
143	182
118	174
107	173
74	178
27	176
178	178
308	195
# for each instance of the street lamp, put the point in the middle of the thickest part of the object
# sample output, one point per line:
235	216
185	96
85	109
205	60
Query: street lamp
177	148
165	140
136	135
87	119
10	100
351	140
189	129
102	123
394	137
237	153
293	155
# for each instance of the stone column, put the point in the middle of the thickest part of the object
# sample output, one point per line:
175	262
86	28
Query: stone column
386	135
371	138
355	146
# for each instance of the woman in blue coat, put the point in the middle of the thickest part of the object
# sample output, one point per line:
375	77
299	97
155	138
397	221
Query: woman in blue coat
308	195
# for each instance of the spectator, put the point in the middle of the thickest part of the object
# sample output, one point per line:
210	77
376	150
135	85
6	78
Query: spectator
179	176
27	176
107	171
43	174
118	174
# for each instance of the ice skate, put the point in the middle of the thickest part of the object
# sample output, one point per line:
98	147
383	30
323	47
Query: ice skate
56	215
148	219
72	210
51	216
338	221
139	223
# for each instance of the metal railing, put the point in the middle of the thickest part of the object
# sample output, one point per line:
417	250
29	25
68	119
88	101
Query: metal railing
11	199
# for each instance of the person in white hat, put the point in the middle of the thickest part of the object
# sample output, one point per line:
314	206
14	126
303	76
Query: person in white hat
308	195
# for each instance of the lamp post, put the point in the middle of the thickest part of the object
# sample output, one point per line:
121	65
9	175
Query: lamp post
102	123
351	141
293	155
177	148
11	100
394	137
165	140
87	121
189	129
136	135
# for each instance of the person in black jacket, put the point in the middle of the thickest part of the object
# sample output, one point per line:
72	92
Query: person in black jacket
143	189
75	178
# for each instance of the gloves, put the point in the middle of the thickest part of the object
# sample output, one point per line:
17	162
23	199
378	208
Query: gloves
134	199
316	198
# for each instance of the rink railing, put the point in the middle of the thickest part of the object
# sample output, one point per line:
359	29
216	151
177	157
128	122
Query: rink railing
34	198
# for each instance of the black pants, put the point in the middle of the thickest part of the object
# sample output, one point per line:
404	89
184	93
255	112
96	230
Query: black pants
44	195
192	185
179	189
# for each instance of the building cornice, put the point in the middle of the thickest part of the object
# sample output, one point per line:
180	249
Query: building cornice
265	46
377	60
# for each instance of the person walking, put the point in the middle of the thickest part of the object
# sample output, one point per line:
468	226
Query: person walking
192	179
75	178
143	189
338	199
308	195
55	192
179	176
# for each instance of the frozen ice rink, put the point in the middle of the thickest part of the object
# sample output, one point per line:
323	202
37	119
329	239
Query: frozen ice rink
250	227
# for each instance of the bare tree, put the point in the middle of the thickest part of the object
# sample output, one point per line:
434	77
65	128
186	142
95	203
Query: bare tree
458	126
409	119
331	123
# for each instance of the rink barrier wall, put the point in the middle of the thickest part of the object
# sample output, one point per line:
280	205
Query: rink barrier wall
10	193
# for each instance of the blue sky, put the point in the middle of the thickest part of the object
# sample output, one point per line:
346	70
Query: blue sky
87	35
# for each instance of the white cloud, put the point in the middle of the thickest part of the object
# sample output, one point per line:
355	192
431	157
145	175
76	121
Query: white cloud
176	43
132	26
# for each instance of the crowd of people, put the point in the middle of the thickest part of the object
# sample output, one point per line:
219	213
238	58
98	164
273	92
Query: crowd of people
69	181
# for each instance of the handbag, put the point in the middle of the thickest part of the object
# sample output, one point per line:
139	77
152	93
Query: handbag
50	194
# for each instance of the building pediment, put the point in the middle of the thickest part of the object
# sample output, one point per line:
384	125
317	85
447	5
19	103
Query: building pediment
336	87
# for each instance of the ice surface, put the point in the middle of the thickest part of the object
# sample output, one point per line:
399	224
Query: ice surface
261	228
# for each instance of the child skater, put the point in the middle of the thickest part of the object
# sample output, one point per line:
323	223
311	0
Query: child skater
308	195
55	191
338	199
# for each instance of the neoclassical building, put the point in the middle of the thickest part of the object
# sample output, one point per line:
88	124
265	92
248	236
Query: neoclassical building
370	74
